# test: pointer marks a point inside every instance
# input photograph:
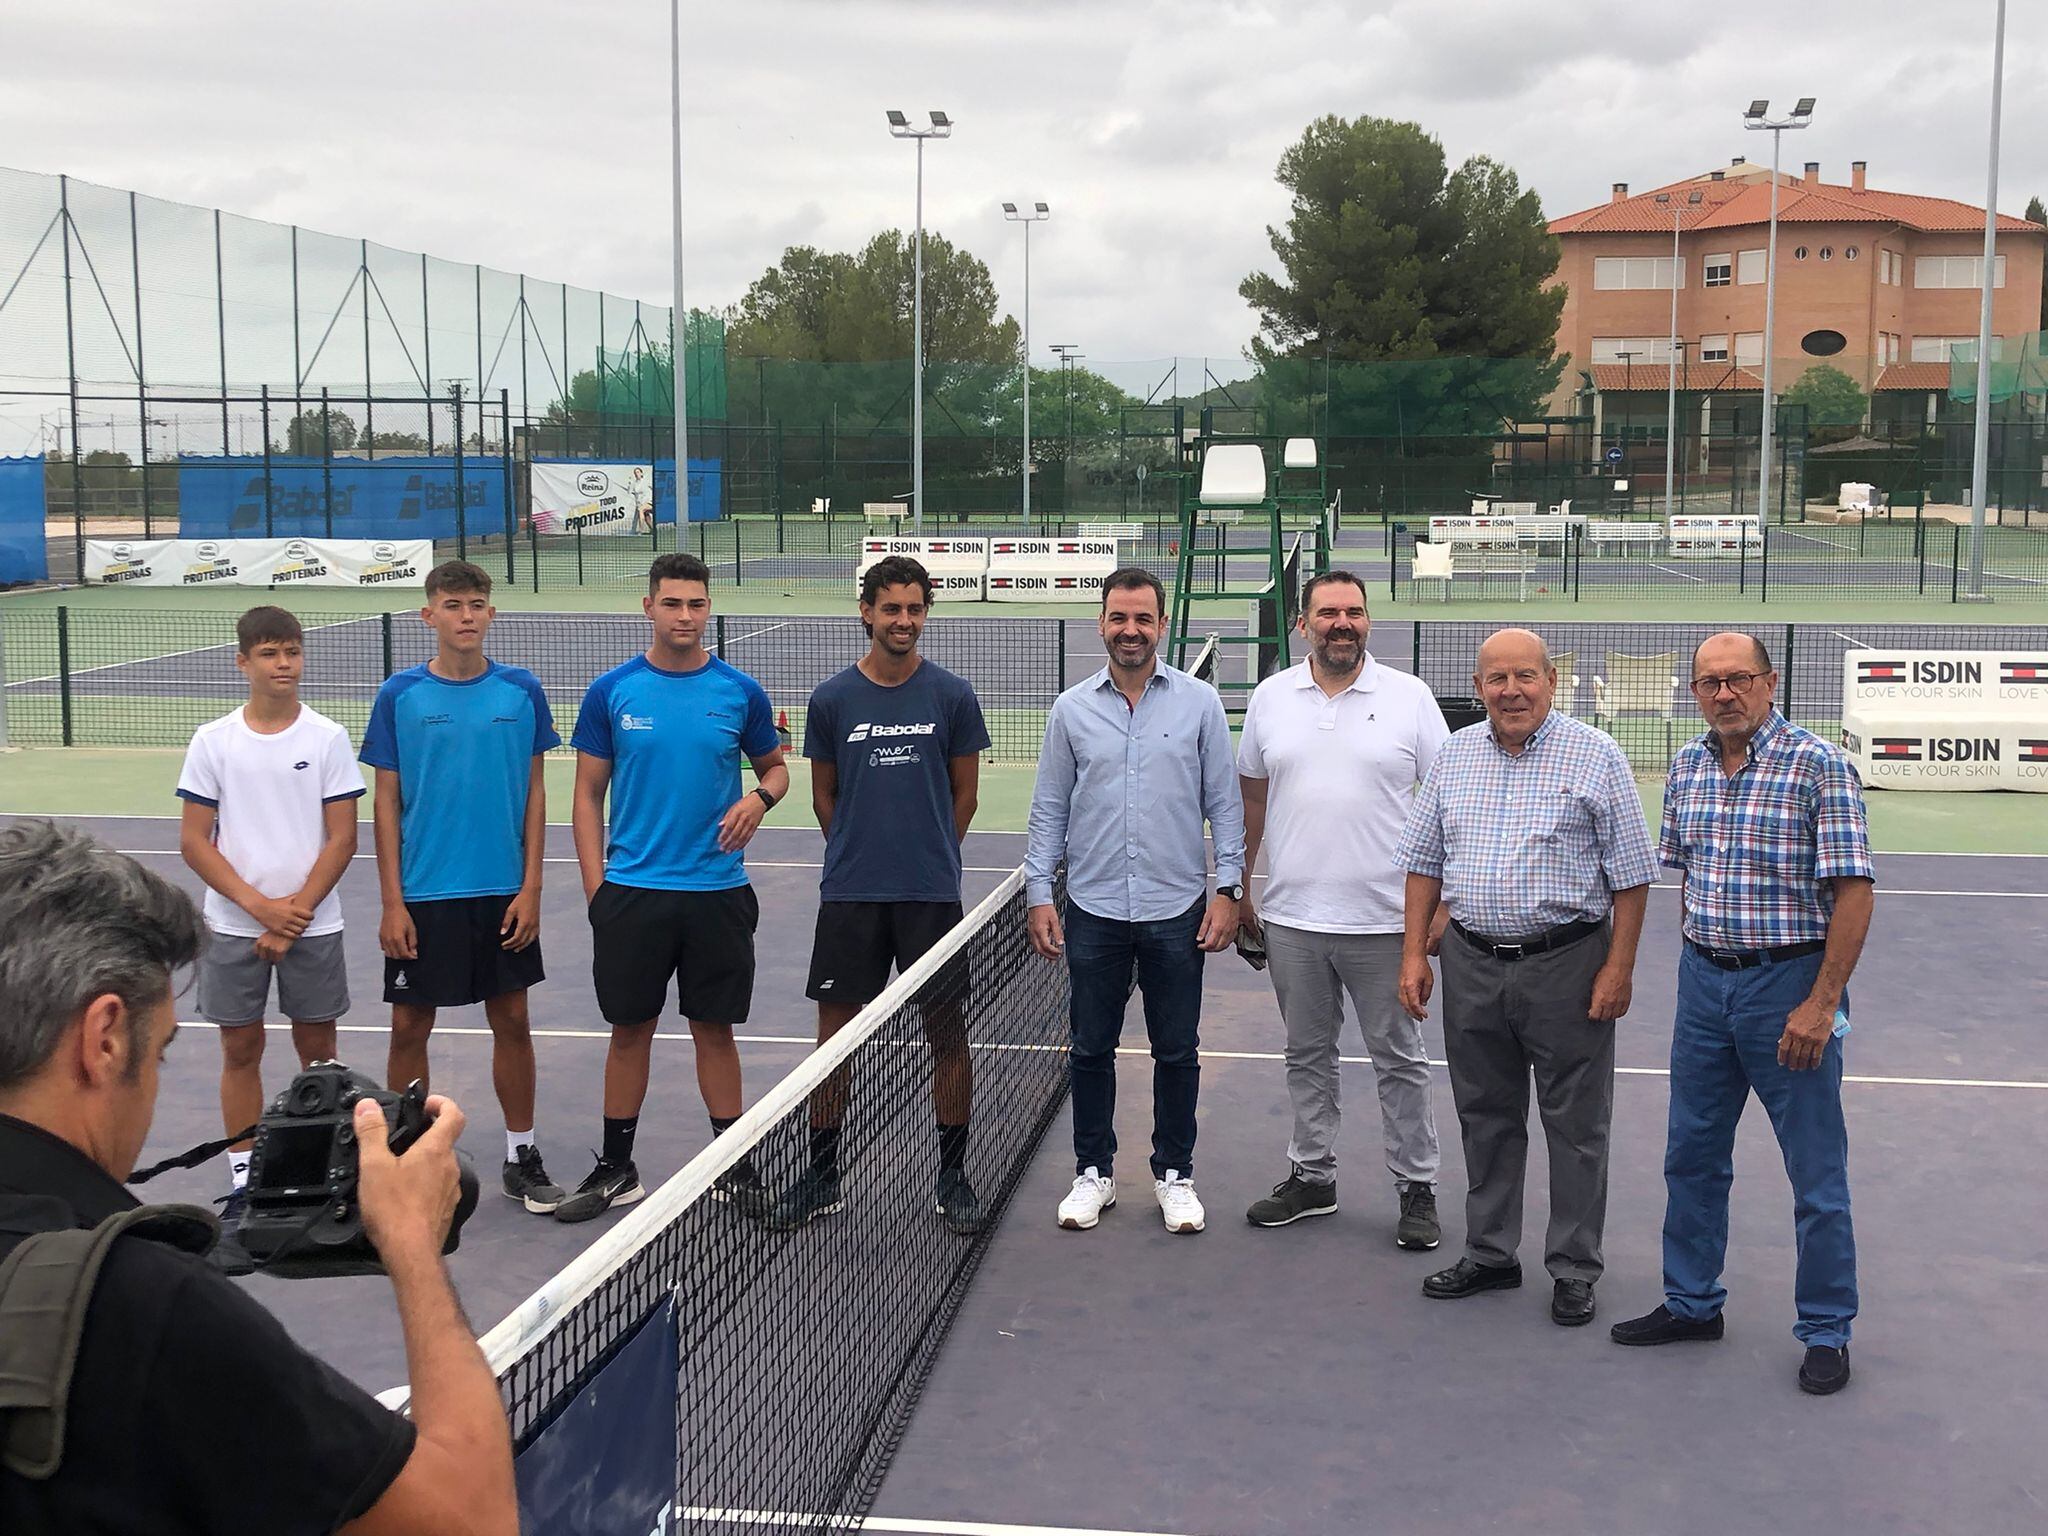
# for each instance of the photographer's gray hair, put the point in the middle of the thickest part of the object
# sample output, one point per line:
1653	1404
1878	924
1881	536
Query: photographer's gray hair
78	920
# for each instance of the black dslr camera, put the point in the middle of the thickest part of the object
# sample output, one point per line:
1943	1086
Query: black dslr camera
301	1218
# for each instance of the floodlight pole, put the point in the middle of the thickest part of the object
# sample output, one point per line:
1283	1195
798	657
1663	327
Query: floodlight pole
1757	118
941	128
680	325
1980	450
1671	381
1039	214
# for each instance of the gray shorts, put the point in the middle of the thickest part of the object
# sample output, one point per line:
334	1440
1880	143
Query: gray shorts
234	984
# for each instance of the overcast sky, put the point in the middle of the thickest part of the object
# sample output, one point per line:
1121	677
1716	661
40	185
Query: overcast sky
534	136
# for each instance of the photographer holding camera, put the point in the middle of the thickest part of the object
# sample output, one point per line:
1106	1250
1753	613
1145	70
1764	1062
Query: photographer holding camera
186	1407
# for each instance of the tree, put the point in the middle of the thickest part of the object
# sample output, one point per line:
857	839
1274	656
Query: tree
1831	398
303	437
2038	213
1389	258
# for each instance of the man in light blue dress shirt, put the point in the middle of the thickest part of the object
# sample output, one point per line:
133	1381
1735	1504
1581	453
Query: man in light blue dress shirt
1136	759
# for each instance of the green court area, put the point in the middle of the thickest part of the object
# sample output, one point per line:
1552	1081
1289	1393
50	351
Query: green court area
87	781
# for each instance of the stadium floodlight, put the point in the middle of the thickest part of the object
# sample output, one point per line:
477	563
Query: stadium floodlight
1757	118
1665	199
1040	214
941	128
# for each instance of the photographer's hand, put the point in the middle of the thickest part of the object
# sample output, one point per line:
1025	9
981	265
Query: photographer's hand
408	1200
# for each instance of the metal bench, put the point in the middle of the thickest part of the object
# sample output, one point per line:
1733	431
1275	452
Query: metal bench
1609	536
1129	533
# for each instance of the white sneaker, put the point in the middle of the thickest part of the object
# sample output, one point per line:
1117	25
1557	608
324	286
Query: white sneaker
1178	1202
1092	1194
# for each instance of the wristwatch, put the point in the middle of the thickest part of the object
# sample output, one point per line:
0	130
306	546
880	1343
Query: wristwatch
1234	892
766	798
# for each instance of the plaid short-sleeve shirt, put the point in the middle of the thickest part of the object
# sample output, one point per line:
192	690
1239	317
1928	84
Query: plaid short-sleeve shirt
1760	848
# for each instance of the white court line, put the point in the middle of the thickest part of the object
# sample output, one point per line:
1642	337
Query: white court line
194	650
1668	571
1129	1050
895	1524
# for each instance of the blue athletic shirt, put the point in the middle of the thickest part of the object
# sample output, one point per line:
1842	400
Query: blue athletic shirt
463	752
674	740
892	835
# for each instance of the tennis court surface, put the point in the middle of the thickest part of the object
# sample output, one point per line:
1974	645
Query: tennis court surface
1249	1381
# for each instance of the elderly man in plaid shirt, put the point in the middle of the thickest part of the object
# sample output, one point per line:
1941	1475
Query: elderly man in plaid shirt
1529	832
1766	822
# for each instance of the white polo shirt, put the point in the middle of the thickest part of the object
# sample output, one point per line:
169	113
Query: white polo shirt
1340	774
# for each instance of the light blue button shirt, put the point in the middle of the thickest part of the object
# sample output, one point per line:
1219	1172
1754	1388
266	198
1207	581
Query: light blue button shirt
1122	794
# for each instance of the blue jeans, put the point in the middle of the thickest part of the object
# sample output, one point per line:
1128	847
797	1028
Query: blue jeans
1724	1044
1100	956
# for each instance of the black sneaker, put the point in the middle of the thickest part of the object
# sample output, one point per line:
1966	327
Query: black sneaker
1293	1198
608	1184
228	1255
815	1194
1417	1230
740	1187
1824	1370
959	1206
527	1181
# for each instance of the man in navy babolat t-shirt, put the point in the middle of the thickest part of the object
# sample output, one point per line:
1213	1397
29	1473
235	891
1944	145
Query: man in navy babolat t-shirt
663	736
894	743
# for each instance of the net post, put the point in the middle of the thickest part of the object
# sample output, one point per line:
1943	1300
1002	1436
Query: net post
1791	675
1764	559
1059	657
733	518
64	669
384	635
718	635
1415	649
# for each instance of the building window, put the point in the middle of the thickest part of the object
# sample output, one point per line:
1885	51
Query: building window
1955	272
1749	267
1850	253
1799	253
1749	349
1713	349
1957	349
1887	346
1640	350
1827	253
1720	270
1636	272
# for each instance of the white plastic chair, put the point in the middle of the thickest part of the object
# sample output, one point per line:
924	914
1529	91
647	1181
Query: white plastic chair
1432	562
1638	685
1566	700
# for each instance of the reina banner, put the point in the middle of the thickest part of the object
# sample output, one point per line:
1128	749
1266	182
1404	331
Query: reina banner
607	1465
258	562
591	499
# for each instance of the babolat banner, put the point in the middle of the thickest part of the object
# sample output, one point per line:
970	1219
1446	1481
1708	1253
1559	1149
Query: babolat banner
395	498
591	499
258	562
607	1465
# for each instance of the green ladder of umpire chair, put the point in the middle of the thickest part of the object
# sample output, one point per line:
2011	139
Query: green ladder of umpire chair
1241	563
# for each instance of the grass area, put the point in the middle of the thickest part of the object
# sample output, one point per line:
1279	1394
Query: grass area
86	781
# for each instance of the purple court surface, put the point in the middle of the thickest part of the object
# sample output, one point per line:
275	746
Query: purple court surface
1247	1382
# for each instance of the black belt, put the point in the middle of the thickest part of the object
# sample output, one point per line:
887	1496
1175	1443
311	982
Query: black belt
1750	959
1521	949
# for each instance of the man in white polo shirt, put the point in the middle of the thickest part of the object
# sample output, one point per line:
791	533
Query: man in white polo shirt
1330	756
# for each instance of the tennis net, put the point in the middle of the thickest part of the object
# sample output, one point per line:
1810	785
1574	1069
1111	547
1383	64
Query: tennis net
801	1352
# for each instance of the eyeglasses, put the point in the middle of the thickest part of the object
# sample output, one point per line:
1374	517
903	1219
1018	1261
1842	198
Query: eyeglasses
1737	683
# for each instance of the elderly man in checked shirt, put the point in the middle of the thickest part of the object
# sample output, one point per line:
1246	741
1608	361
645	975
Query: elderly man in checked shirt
1529	833
1766	822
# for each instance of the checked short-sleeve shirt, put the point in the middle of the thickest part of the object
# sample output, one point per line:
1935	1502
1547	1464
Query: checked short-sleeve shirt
1760	848
1532	841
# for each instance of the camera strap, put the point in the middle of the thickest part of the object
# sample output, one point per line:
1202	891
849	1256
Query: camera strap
46	1285
191	1159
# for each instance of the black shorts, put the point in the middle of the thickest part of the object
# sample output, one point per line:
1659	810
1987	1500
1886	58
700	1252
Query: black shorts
705	939
857	941
462	956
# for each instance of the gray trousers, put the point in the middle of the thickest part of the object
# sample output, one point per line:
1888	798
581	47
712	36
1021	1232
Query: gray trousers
1504	1021
1311	973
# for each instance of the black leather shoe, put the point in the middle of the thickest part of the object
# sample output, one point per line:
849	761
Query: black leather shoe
1824	1370
1468	1277
1571	1303
1661	1327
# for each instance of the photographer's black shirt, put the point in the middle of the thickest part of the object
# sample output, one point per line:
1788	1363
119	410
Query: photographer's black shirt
191	1409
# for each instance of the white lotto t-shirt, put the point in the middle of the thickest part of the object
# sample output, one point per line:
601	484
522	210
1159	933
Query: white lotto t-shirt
1340	773
269	794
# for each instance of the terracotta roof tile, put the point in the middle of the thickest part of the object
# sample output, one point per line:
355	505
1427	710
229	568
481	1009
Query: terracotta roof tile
1733	204
1692	377
1914	376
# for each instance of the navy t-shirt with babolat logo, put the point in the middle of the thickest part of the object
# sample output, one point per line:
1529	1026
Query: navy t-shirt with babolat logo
892	835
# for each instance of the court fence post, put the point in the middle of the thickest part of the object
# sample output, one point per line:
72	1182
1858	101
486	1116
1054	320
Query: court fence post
3	685
736	562
64	670
1764	561
269	502
384	634
1059	657
326	463
461	498
1415	650
1955	558
1791	674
